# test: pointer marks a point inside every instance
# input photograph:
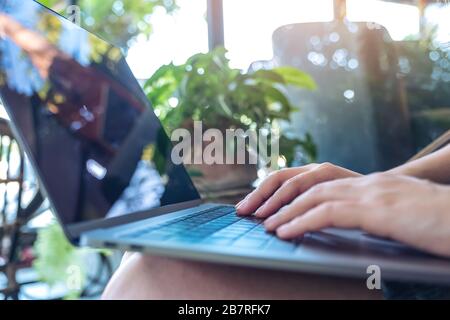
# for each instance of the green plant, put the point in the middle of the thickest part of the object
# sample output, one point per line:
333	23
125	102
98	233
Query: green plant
206	88
425	66
118	21
425	69
54	258
58	262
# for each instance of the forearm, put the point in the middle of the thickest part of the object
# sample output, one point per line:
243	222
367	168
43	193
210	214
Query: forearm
434	167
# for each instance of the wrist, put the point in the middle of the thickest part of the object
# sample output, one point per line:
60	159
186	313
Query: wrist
406	170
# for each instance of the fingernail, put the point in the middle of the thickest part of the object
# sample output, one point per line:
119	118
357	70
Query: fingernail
283	231
260	211
270	224
241	205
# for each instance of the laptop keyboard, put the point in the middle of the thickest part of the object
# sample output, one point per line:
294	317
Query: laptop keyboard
217	226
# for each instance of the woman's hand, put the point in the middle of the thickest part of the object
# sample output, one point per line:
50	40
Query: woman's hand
409	210
283	186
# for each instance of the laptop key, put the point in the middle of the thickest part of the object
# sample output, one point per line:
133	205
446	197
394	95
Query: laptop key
177	228
156	236
249	243
280	245
228	233
259	236
218	241
187	239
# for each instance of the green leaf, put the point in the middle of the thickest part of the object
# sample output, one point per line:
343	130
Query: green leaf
295	77
54	255
269	75
163	72
276	96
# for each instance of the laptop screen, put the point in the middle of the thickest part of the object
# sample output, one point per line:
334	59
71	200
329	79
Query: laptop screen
96	143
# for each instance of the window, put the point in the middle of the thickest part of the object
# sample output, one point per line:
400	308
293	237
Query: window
438	15
249	24
175	38
399	19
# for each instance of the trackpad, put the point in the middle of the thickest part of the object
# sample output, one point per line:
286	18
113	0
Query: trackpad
356	238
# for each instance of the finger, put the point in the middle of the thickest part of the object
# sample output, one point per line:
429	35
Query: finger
338	190
284	195
297	185
239	203
255	199
338	214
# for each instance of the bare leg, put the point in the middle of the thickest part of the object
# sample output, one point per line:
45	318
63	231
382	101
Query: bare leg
149	277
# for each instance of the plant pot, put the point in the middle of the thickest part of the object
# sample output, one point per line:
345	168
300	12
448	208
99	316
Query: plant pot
222	177
219	177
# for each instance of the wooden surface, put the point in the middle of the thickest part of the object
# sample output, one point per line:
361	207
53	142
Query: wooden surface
439	143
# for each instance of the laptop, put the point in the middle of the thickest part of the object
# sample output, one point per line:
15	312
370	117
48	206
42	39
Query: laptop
104	163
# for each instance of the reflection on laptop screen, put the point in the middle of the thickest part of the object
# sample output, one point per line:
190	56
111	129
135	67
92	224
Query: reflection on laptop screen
98	146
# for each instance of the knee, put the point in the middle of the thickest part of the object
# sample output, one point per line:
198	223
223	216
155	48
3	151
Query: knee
133	274
148	277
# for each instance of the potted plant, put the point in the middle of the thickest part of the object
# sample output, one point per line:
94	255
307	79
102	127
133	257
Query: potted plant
207	89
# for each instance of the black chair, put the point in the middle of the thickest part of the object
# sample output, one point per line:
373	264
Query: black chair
359	116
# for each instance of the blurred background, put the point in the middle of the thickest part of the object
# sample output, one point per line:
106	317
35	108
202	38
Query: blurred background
372	88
